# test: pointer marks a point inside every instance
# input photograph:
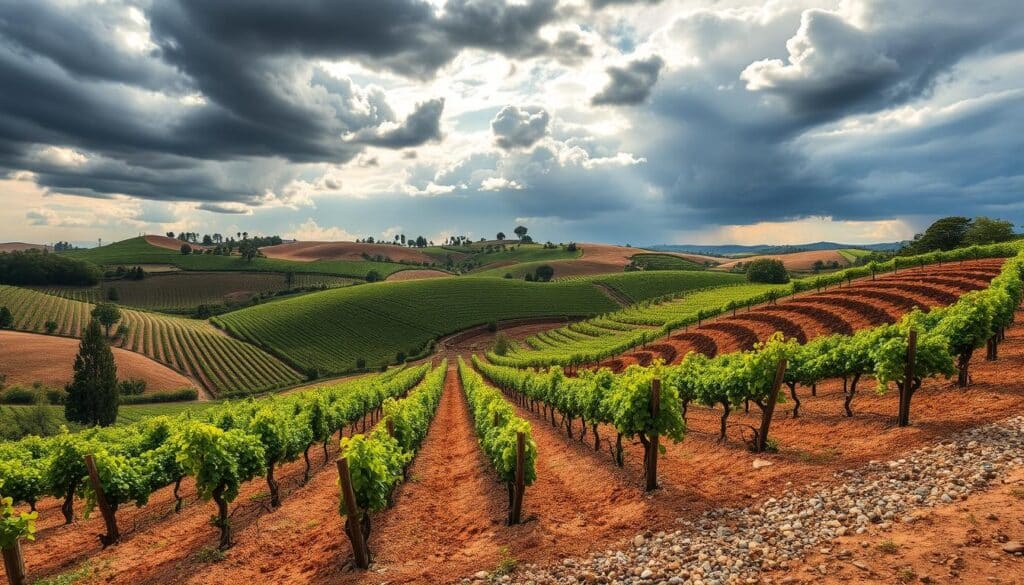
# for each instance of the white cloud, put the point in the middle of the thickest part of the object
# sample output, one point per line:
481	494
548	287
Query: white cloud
310	230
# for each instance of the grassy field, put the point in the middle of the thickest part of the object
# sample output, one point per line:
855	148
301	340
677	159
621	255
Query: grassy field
641	286
853	254
175	291
223	365
138	251
330	330
664	262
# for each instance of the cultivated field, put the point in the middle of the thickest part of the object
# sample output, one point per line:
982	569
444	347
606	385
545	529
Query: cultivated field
179	291
26	358
798	261
224	366
331	330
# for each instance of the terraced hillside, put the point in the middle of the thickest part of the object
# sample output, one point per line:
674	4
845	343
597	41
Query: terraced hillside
844	309
223	365
331	330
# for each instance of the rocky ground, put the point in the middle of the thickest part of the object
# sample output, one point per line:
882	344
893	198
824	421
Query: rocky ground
828	532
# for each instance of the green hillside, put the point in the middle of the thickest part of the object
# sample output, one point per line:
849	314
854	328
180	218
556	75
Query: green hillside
328	331
642	286
139	251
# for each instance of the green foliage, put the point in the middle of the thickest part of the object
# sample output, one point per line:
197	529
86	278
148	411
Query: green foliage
985	230
644	286
93	392
662	262
36	267
6	318
107	314
123	479
767	271
497	427
946	233
330	330
215	457
13	525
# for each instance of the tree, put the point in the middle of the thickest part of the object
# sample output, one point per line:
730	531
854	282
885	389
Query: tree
248	250
51	327
113	295
945	234
207	240
6	318
500	236
767	270
92	394
170	234
373	276
107	314
521	231
544	273
186	249
986	230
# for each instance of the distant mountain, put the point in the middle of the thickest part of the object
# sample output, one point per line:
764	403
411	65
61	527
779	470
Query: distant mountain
735	249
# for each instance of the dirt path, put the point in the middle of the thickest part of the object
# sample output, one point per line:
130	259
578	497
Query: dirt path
614	295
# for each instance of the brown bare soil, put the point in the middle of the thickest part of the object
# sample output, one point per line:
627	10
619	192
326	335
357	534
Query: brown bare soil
28	357
955	543
417	274
171	243
21	246
797	261
606	258
844	309
310	251
446	522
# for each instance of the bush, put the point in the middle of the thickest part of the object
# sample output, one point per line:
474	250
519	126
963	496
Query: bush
6	318
41	268
492	326
131	387
544	273
373	276
51	327
400	357
18	395
502	344
360	363
767	271
113	295
186	249
55	395
182	395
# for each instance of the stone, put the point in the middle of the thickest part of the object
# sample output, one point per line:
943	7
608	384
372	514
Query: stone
1014	547
761	463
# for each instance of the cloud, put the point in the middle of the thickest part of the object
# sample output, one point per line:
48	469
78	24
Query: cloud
229	208
516	127
422	126
630	85
310	230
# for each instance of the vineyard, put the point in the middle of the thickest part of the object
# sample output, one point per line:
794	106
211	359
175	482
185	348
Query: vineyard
331	331
137	251
179	291
224	366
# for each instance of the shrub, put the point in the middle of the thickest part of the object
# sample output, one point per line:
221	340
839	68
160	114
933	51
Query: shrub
51	327
113	295
767	271
373	276
131	387
18	395
360	363
492	326
185	249
544	273
182	395
6	318
502	344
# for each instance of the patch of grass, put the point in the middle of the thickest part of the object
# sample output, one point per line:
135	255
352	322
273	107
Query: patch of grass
906	575
887	547
209	554
1017	493
506	564
76	575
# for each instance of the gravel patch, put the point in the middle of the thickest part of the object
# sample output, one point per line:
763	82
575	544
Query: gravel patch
737	545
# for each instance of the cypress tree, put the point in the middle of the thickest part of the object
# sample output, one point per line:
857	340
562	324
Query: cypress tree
92	394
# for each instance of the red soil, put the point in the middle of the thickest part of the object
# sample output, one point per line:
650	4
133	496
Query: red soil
172	243
964	537
28	357
446	523
797	261
863	303
310	251
417	274
606	258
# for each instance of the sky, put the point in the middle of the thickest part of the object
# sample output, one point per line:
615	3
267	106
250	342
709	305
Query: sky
621	121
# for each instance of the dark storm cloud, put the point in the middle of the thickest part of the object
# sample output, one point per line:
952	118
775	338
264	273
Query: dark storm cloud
834	67
630	85
605	3
68	82
516	127
422	126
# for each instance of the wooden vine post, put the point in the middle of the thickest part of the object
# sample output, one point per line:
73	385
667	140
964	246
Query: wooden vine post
352	519
906	388
652	447
14	564
516	514
113	534
769	409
